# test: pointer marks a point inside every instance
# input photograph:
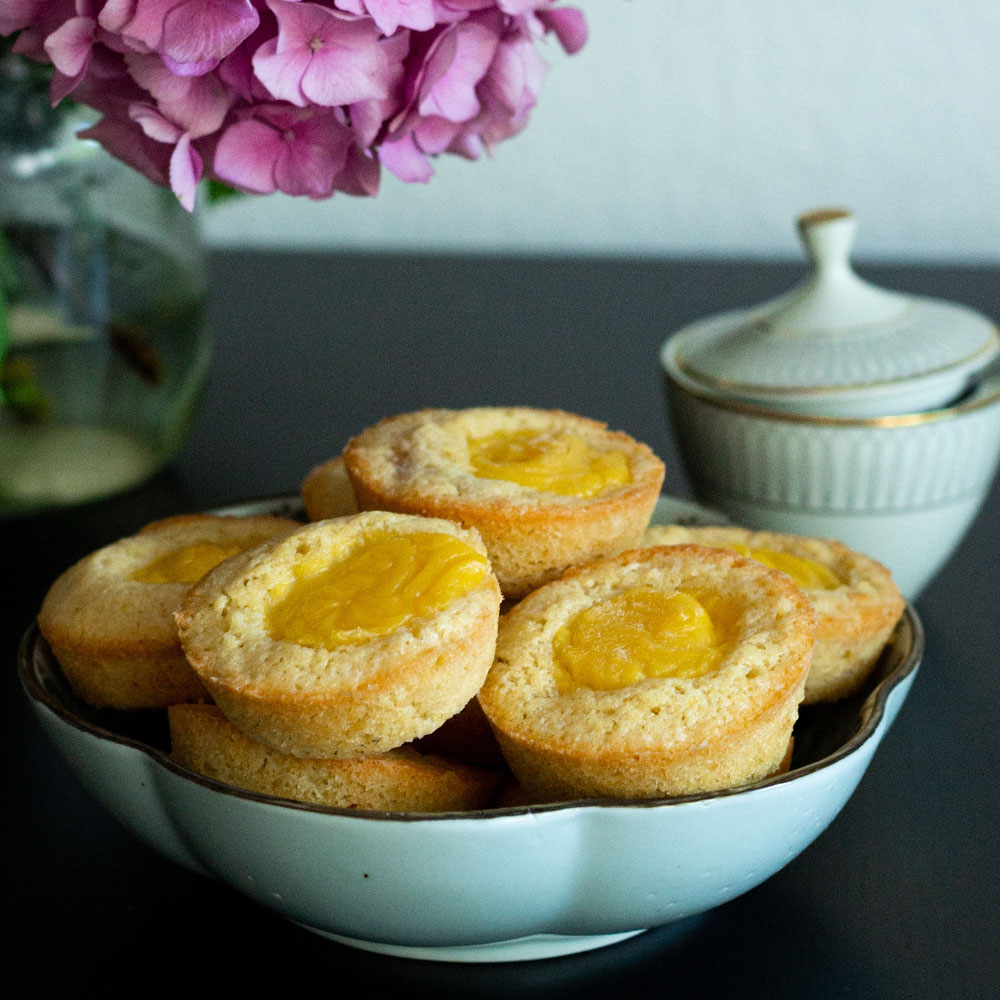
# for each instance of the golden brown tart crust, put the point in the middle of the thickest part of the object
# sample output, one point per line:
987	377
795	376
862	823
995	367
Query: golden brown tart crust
327	491
204	741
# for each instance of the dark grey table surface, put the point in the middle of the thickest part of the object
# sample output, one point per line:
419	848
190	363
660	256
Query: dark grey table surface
898	898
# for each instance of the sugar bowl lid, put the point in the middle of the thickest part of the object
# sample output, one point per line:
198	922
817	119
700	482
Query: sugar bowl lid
835	344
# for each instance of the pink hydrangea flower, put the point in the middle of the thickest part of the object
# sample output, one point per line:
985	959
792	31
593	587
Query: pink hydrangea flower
308	97
322	57
298	151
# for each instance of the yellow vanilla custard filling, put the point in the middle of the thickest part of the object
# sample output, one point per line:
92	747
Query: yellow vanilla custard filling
807	574
552	462
642	633
373	588
187	564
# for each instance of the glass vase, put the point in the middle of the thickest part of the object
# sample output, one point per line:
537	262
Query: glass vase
103	343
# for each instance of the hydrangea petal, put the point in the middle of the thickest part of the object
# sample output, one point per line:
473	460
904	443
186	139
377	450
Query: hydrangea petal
468	144
514	78
69	48
327	130
450	89
115	14
332	77
368	117
360	175
236	72
47	18
154	124
196	31
569	26
189	68
199	104
305	169
403	158
282	74
392	14
366	120
246	154
185	172
144	25
435	135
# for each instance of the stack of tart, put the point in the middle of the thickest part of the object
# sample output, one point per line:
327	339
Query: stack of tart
362	660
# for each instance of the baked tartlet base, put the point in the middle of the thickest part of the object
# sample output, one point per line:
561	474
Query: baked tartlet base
204	741
853	621
327	492
659	736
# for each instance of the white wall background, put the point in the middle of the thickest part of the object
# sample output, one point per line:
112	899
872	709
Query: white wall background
703	127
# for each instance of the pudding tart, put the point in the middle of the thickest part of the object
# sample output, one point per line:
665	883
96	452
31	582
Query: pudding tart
662	671
856	602
545	489
349	637
110	617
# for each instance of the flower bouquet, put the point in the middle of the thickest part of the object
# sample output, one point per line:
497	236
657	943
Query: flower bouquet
303	97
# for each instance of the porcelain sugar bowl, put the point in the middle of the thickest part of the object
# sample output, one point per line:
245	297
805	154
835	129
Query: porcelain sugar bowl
842	410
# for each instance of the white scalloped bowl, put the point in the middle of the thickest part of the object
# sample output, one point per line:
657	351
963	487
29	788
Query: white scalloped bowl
494	885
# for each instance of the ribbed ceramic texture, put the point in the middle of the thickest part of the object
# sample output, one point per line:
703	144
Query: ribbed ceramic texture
813	466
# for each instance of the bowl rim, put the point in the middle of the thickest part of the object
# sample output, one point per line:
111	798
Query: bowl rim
870	715
673	353
982	393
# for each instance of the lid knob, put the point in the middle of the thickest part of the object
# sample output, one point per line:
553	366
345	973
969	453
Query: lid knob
833	297
828	236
